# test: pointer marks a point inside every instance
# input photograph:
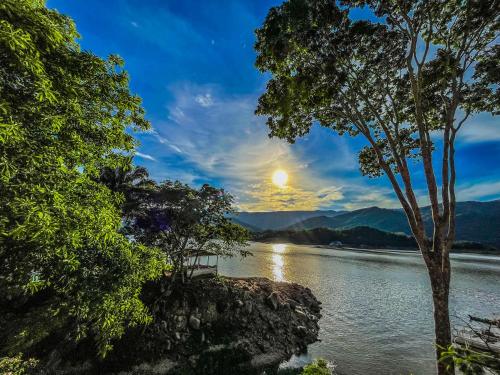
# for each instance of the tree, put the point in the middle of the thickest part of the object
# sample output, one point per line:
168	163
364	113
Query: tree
64	266
406	80
132	182
187	222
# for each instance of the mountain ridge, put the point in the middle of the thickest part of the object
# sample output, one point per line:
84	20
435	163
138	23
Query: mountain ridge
273	220
476	221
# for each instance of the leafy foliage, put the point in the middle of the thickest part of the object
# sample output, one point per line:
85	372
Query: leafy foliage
471	362
18	366
63	116
318	367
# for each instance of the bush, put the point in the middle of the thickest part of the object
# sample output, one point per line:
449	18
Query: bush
18	366
318	367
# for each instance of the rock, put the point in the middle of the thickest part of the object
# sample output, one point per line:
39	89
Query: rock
210	313
164	325
248	307
301	330
273	300
181	322
245	319
301	314
193	360
194	322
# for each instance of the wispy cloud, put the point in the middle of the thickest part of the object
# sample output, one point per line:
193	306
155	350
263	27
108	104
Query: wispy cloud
481	128
222	140
145	156
204	100
486	190
267	197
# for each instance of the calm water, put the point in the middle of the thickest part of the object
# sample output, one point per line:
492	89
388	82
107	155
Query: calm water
377	309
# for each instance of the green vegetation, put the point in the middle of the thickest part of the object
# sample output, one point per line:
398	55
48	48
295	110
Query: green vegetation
471	362
406	85
64	114
475	222
18	366
318	367
357	237
70	198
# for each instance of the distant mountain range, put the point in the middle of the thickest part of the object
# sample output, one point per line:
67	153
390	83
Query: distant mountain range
476	221
259	221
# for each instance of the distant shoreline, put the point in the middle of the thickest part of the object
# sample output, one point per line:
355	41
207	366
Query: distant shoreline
386	250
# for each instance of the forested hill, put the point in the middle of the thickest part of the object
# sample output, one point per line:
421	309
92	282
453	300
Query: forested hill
476	221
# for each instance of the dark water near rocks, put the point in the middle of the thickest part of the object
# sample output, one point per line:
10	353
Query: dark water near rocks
377	308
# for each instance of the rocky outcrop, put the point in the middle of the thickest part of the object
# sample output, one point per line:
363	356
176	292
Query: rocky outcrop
218	326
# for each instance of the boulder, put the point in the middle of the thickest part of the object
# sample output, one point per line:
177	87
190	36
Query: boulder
194	322
273	300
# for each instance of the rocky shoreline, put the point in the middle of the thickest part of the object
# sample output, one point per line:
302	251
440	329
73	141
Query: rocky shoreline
214	326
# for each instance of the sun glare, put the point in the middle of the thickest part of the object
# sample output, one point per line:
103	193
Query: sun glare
279	248
280	178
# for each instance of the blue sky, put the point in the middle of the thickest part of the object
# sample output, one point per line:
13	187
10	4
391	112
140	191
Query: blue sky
192	62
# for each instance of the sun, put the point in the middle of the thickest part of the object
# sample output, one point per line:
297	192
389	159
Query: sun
280	178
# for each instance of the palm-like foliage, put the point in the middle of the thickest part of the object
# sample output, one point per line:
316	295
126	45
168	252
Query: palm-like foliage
130	181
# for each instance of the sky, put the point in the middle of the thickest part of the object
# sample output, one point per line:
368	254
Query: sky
192	62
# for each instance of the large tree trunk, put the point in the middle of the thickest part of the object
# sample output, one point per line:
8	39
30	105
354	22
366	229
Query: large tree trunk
440	283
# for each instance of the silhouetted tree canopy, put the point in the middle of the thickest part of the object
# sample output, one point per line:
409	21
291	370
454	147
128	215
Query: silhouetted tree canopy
186	222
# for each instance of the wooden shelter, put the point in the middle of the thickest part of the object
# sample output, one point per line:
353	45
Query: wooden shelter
201	264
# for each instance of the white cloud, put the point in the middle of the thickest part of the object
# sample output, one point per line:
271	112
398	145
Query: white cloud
145	156
165	141
481	128
205	100
135	24
481	191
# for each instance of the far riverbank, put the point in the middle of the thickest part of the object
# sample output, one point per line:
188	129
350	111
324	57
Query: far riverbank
362	238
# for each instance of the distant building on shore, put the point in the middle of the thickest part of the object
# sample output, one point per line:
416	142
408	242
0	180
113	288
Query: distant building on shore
335	243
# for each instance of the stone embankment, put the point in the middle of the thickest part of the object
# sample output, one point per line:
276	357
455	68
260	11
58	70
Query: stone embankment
218	326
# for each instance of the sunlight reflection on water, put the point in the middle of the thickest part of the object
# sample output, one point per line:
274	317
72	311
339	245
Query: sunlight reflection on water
279	248
278	261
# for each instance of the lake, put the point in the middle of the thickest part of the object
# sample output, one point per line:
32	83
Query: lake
377	306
